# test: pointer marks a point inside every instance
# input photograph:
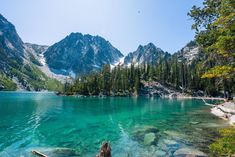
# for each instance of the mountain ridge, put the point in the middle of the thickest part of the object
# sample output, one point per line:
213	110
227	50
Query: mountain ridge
76	54
19	63
147	54
81	54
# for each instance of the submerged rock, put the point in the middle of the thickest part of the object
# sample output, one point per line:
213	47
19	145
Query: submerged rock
189	152
175	135
212	125
64	152
147	135
146	129
149	139
58	152
159	153
194	123
5	154
170	143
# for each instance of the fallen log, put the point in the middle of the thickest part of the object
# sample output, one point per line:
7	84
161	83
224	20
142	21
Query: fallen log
208	103
39	153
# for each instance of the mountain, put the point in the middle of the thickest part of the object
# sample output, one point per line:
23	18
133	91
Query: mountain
148	54
19	64
80	54
189	53
35	53
36	49
11	45
37	67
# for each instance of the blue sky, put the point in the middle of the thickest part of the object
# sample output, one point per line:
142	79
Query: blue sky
125	23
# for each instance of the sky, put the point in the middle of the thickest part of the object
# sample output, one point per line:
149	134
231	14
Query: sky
124	23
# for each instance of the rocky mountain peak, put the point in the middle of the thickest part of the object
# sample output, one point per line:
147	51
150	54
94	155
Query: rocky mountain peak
81	54
189	52
10	42
147	54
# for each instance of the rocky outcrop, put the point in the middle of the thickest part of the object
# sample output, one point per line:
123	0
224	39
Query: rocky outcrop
188	53
226	111
80	54
148	54
154	88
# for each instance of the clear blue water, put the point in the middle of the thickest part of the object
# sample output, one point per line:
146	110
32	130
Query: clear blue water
76	126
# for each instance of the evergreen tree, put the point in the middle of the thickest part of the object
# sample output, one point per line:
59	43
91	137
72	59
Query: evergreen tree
215	28
106	73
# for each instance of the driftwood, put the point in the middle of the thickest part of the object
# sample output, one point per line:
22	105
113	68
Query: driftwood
39	153
208	103
105	150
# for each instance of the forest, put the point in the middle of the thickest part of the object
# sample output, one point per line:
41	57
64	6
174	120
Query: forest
211	72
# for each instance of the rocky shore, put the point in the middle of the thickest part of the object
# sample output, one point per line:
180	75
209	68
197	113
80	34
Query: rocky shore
166	143
226	111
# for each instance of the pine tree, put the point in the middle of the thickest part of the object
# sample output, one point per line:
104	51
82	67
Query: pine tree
215	28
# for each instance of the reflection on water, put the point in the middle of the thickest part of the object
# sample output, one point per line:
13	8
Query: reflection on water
77	126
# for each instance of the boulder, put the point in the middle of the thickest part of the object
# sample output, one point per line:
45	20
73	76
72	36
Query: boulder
149	139
159	153
145	129
170	143
148	135
175	135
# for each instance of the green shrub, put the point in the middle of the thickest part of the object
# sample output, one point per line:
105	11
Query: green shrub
6	83
225	144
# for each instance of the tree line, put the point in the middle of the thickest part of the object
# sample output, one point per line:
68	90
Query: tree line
124	80
212	72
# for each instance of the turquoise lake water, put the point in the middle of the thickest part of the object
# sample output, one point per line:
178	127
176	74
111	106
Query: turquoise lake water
70	126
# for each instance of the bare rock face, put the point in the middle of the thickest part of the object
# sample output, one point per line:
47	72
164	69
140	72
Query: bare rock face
19	61
189	53
148	54
81	54
11	45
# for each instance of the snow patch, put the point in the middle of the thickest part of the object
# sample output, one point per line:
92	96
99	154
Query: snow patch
72	74
96	66
42	59
62	78
112	66
95	48
119	62
9	45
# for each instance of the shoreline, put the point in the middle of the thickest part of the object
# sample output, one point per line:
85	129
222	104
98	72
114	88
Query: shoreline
167	97
225	111
102	96
200	97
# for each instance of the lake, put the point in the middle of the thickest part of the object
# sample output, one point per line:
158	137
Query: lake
71	126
